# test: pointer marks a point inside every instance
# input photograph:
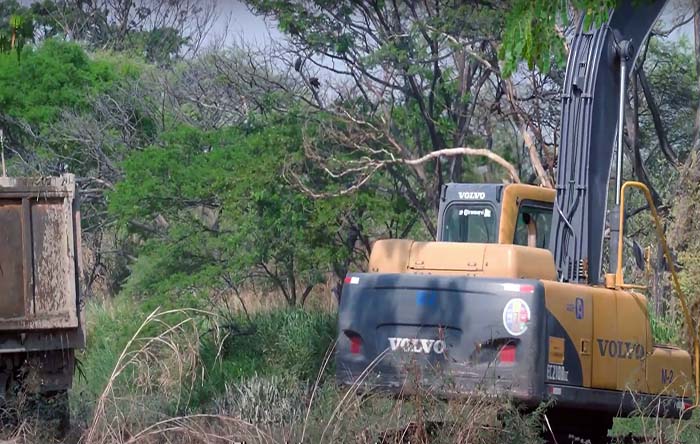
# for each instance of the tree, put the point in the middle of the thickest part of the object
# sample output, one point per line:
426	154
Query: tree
63	110
157	30
680	80
33	93
240	85
403	80
226	87
214	212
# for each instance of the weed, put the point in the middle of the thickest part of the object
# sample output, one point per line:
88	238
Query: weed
264	400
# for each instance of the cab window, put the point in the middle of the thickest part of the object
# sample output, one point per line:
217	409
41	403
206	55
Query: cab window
533	225
470	223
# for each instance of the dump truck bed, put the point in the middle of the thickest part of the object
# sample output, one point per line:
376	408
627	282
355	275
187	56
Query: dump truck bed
39	260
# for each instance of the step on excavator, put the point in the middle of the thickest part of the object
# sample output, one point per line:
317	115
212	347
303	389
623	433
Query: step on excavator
513	298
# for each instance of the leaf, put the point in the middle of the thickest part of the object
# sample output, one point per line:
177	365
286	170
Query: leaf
16	22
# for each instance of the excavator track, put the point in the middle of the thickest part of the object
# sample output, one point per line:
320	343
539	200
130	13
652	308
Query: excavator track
430	431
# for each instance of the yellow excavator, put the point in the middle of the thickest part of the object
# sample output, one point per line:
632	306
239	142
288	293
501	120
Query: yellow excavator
513	297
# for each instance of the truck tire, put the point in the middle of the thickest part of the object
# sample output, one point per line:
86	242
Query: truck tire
53	410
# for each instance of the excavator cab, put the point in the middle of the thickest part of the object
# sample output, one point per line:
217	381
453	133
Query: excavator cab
515	214
483	230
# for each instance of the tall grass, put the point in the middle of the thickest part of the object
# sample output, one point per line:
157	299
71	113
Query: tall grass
666	329
188	376
289	343
173	363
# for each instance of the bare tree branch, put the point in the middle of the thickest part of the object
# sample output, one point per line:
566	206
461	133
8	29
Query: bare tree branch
373	166
666	148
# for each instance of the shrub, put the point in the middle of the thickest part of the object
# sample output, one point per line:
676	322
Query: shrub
264	400
286	342
289	342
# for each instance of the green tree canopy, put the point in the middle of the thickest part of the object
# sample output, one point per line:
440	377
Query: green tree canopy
212	206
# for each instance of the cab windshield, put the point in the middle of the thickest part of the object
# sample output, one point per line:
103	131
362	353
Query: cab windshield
471	222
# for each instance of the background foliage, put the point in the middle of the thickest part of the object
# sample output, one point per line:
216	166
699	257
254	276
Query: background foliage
234	179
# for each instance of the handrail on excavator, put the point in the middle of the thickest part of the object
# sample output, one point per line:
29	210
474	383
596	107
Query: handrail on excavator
619	278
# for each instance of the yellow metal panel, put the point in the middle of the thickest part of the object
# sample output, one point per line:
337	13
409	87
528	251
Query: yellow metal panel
556	350
631	345
512	196
560	300
604	370
614	341
519	262
461	258
669	371
691	323
390	256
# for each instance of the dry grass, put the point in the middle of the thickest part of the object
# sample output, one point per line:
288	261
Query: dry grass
164	364
645	424
254	299
274	409
143	402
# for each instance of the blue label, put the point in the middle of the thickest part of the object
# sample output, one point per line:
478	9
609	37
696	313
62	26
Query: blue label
425	297
579	308
666	376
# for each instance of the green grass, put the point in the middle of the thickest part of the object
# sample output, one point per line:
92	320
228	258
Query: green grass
666	330
110	325
286	411
266	366
289	342
673	430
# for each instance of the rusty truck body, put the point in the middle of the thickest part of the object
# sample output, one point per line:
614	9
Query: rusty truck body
40	307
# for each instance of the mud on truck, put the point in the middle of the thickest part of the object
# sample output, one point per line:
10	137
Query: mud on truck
40	309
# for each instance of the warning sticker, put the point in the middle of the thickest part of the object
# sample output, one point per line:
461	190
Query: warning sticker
556	350
516	316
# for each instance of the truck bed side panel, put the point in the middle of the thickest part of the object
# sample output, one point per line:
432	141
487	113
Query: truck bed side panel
38	260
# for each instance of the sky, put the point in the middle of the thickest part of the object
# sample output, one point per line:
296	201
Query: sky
237	16
237	22
242	22
675	11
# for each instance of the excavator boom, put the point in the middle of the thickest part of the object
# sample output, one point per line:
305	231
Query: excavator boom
589	117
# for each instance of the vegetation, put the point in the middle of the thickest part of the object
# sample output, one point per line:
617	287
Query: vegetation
227	190
178	361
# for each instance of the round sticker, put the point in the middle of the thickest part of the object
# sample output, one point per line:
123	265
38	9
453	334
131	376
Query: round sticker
516	315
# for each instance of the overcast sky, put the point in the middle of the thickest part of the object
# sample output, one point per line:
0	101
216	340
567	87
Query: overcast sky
241	22
675	12
254	29
235	17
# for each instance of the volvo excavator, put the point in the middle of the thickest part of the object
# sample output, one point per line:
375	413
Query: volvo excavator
515	297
